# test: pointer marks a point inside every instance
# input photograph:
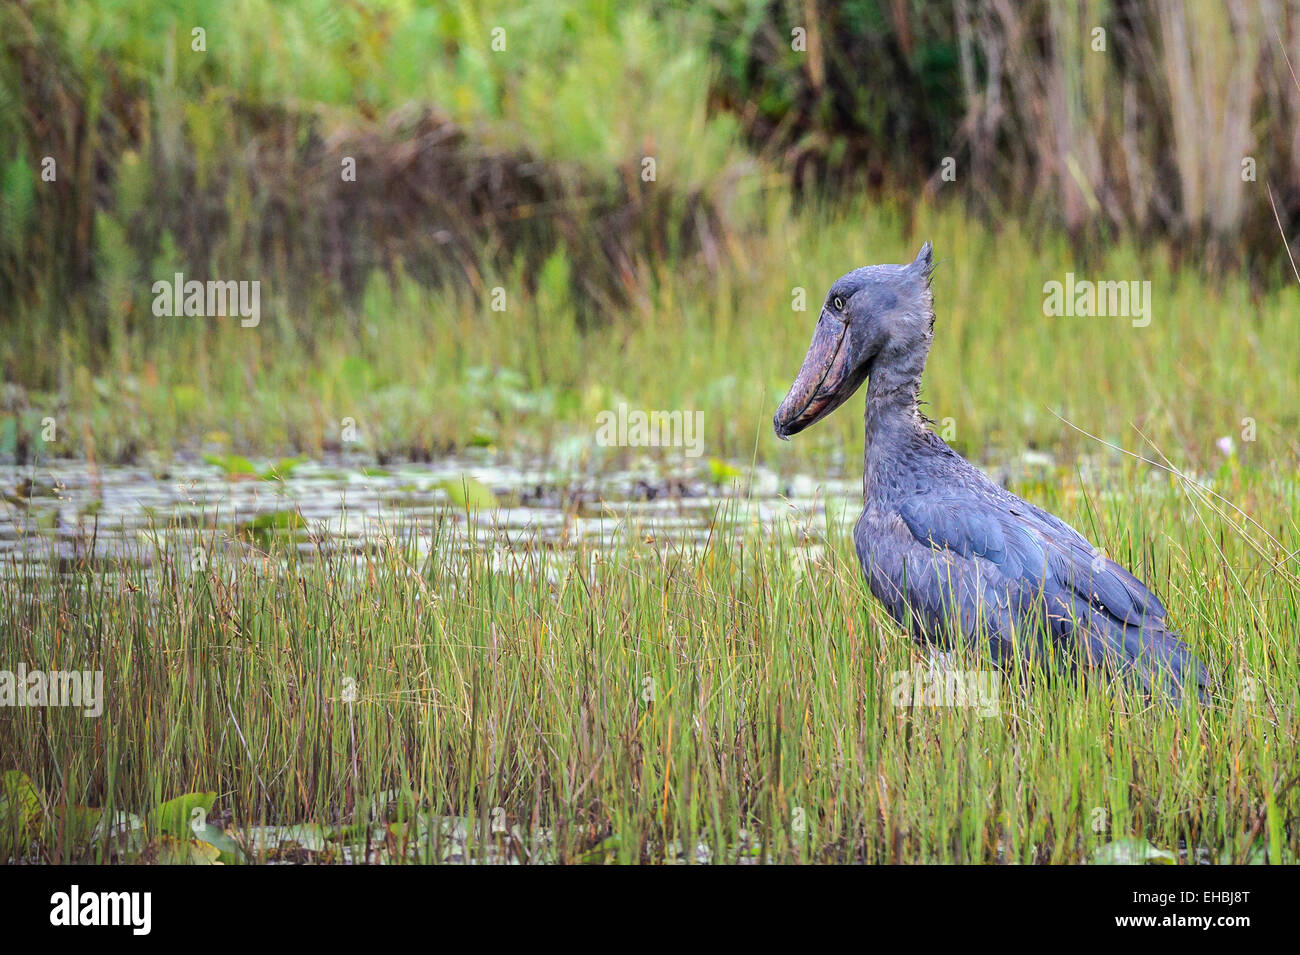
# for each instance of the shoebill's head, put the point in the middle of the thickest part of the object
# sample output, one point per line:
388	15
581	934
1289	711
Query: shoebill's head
876	320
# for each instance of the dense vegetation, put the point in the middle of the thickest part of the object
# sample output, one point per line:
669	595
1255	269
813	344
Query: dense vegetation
504	266
640	703
523	169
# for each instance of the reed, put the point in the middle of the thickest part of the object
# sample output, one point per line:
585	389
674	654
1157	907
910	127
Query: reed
740	701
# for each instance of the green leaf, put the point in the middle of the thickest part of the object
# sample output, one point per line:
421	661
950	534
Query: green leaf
223	842
76	825
20	808
281	470
602	853
175	851
231	464
266	526
468	493
1132	852
176	816
720	471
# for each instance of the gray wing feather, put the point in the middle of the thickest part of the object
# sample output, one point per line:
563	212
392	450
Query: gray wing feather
961	565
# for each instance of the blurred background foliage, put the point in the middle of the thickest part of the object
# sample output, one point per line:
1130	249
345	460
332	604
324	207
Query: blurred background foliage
773	126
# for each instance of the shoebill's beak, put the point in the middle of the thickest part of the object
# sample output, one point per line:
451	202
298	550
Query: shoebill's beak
824	382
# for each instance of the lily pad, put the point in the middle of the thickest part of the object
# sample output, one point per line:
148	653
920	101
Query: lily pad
469	493
602	853
281	469
228	849
1132	852
20	809
176	817
76	825
173	851
265	526
232	465
721	472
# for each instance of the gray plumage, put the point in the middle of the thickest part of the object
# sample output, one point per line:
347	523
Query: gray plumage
949	553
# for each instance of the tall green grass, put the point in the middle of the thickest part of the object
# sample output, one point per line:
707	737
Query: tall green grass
429	371
516	680
641	702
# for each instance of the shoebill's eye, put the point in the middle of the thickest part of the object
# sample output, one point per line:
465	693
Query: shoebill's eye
838	303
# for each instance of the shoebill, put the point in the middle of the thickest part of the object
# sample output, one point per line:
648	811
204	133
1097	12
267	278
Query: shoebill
952	555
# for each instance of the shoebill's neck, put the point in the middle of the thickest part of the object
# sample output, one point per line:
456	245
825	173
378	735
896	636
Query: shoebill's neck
893	414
